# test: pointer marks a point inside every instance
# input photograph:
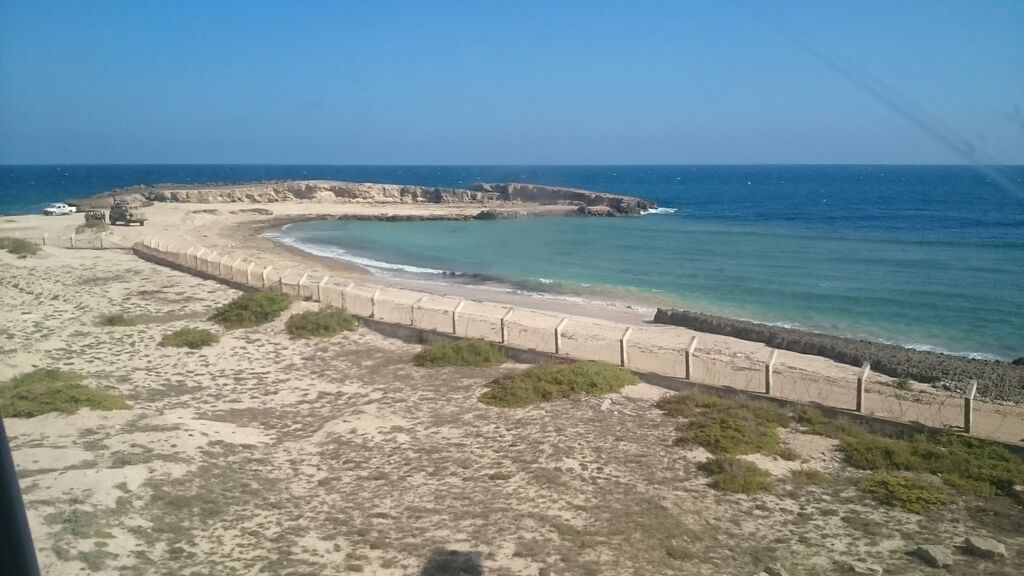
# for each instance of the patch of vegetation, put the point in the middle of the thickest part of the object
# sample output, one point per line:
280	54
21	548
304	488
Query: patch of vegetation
903	492
787	453
18	246
48	390
554	381
808	477
731	474
251	309
969	465
91	225
459	353
903	384
189	337
326	322
678	553
725	426
116	320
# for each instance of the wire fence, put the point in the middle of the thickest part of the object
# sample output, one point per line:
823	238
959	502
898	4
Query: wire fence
662	350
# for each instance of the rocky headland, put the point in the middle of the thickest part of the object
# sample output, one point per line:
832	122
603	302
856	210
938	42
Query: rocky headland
996	380
497	196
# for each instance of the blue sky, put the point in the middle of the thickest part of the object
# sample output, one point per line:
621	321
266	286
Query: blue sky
512	82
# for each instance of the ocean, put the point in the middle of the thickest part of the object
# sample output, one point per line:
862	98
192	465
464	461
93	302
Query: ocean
930	257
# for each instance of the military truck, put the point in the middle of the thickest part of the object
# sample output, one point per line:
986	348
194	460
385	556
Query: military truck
127	213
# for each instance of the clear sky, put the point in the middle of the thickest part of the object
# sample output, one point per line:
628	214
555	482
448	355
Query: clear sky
478	82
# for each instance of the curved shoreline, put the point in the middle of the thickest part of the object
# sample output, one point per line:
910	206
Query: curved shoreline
997	379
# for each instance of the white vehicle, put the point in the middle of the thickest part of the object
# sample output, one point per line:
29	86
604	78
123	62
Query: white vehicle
59	209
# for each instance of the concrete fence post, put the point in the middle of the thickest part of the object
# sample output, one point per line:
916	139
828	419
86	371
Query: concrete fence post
220	266
558	335
44	238
248	273
455	316
237	260
768	372
280	279
415	306
969	406
623	353
198	256
320	287
373	303
861	381
264	275
504	326
688	358
188	256
302	280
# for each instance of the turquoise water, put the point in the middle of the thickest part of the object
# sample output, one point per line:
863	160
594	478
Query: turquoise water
893	270
916	255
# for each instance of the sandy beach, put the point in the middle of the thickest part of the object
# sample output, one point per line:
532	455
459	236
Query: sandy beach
264	454
238	228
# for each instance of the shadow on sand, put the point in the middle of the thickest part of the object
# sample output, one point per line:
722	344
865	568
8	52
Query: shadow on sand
443	562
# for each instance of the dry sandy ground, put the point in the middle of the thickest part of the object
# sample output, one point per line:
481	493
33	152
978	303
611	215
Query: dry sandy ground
264	455
236	229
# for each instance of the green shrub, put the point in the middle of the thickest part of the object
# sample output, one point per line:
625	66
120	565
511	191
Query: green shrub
808	477
460	353
251	309
729	433
91	225
116	320
903	492
678	553
730	474
18	246
787	453
969	465
326	322
52	390
191	338
554	381
726	426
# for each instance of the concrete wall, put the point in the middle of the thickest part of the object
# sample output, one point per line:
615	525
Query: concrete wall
395	306
331	294
592	340
358	299
531	330
435	313
480	320
656	351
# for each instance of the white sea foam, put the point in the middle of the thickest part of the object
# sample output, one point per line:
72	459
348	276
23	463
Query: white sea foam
661	211
375	266
936	349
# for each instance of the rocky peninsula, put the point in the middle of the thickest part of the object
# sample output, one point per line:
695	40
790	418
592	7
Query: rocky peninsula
498	198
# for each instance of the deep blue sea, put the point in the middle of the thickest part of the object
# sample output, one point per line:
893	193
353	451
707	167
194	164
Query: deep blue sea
931	257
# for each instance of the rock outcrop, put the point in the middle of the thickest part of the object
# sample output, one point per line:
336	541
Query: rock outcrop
613	204
985	547
934	555
330	191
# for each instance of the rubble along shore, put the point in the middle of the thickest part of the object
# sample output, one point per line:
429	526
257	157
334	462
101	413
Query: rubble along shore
996	380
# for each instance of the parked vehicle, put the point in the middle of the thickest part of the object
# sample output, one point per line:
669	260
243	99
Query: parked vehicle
97	215
59	209
127	213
